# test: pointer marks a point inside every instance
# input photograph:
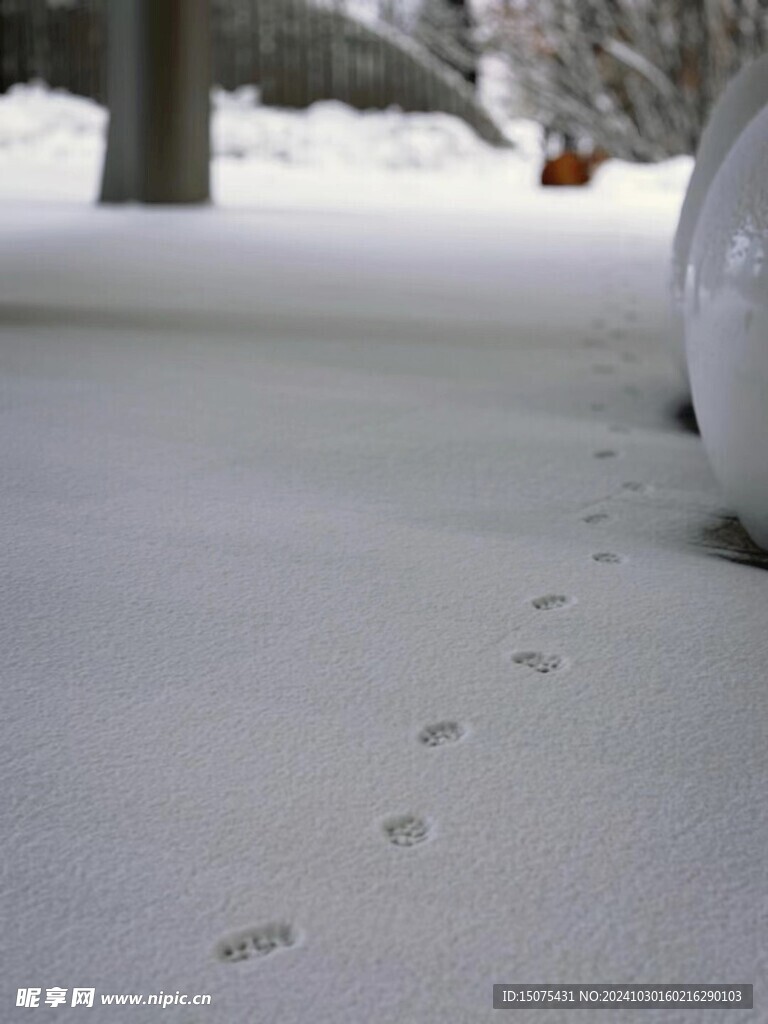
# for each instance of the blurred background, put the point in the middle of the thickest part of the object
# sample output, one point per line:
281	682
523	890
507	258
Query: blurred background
513	91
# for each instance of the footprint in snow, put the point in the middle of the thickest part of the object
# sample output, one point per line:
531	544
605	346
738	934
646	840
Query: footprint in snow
549	602
256	942
407	830
539	662
440	733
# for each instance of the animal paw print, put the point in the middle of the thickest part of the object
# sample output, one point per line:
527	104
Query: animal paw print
542	663
256	942
407	830
605	453
596	517
549	602
440	734
635	487
607	557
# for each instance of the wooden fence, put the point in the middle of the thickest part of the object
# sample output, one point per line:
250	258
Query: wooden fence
296	51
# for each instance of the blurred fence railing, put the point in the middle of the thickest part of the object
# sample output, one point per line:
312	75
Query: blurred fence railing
296	51
63	44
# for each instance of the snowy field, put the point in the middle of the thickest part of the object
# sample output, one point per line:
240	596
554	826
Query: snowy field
366	601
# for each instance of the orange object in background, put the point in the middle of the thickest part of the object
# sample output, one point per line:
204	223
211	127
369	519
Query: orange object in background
572	168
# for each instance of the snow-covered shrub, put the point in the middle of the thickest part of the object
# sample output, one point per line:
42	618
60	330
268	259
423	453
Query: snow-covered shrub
635	77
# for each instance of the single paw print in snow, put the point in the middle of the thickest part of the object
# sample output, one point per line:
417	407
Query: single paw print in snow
607	557
549	602
539	662
407	830
605	453
441	733
256	942
596	517
635	487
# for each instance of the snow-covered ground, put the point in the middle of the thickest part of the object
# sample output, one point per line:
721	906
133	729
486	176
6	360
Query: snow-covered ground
289	481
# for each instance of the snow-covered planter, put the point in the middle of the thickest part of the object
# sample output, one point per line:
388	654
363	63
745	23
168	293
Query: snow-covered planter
726	326
743	98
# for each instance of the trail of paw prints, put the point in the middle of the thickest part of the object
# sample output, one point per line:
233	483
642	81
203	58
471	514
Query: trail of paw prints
407	830
256	942
441	733
539	662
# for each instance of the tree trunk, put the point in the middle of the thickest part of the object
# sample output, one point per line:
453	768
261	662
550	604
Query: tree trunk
158	148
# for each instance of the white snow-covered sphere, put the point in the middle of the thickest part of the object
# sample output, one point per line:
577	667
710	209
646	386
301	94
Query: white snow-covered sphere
677	332
726	326
744	97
